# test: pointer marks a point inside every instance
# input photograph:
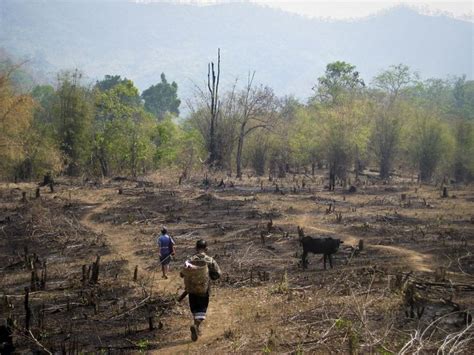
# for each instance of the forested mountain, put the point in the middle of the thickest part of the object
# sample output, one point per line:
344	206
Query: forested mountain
288	52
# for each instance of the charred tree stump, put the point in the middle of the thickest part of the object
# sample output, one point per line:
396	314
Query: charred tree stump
135	273
84	275
27	309
37	193
361	245
44	275
330	209
150	317
23	197
445	192
270	225
95	271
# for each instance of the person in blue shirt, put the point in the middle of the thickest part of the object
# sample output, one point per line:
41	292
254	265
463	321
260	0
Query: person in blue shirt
166	245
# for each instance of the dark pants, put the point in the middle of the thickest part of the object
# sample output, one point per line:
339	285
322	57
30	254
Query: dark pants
165	259
198	305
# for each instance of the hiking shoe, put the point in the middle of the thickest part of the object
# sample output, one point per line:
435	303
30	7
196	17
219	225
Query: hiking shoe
194	333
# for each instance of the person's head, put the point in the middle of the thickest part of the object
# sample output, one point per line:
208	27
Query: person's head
164	230
201	245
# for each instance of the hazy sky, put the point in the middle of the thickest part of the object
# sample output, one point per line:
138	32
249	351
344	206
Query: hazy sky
352	8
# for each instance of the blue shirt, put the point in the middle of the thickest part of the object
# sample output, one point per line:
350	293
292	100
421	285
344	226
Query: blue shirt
165	242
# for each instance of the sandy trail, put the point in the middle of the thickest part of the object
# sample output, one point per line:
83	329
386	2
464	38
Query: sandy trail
121	242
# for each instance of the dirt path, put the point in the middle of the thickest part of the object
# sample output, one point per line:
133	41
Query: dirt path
416	260
220	312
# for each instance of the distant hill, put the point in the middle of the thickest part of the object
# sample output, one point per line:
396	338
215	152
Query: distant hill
287	51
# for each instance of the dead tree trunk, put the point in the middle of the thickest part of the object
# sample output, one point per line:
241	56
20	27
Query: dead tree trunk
240	145
213	86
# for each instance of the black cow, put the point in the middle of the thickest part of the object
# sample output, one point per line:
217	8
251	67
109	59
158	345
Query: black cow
326	246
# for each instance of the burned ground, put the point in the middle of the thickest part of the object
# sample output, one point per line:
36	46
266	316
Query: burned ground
414	271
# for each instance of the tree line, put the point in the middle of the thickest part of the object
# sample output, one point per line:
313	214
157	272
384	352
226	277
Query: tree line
396	123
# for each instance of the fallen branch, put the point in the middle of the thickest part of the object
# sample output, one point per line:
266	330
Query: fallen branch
38	343
140	304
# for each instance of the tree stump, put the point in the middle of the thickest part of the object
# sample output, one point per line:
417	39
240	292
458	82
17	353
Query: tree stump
135	273
270	225
445	192
95	271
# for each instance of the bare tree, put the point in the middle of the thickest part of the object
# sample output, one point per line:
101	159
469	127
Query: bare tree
257	109
213	86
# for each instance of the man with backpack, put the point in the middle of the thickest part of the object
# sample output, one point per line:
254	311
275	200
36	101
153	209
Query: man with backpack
198	303
166	245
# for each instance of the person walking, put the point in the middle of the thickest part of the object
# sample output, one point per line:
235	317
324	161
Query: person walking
198	303
167	250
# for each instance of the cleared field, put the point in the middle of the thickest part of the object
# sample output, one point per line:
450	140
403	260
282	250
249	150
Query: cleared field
410	286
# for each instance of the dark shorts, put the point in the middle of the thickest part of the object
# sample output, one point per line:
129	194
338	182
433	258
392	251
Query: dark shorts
198	305
165	260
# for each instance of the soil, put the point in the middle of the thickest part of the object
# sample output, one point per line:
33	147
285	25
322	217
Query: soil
415	271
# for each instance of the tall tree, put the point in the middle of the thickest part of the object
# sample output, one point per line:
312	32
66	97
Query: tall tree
389	115
305	140
339	80
122	129
393	81
73	118
344	136
428	142
162	98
